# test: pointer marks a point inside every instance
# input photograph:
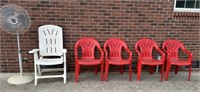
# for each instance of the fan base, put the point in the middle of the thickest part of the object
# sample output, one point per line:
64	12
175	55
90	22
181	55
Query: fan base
18	79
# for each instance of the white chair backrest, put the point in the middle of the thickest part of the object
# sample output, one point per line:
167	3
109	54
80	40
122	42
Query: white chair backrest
50	40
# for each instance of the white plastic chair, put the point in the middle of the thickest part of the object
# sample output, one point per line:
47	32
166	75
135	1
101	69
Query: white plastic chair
50	45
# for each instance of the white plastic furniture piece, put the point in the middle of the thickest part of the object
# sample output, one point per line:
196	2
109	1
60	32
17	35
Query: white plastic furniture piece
51	46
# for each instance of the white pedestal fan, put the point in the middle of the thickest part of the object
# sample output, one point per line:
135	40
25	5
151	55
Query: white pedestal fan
15	20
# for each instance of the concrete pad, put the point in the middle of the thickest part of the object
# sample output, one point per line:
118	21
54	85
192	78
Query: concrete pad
89	82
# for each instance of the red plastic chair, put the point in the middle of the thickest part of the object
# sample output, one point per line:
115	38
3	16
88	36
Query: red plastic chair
113	48
144	49
88	46
172	47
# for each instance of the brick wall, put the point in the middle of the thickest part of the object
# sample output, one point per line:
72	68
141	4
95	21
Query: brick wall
129	20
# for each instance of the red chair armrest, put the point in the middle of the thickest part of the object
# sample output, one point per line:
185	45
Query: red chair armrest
102	53
106	53
189	54
130	54
162	55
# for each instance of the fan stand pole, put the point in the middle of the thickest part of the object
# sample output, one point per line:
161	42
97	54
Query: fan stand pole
20	79
19	56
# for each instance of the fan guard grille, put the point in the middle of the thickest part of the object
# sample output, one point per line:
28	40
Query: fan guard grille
14	19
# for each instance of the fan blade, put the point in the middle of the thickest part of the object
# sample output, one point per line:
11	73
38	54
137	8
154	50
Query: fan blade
22	20
6	11
9	28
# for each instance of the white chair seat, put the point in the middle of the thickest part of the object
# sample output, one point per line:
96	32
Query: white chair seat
49	61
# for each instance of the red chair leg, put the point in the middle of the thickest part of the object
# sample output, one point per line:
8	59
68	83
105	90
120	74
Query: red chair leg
122	69
139	69
102	71
176	70
167	71
77	67
151	69
96	69
130	72
190	70
79	70
106	72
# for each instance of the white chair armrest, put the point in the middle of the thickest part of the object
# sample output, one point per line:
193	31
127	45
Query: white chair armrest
34	51
64	51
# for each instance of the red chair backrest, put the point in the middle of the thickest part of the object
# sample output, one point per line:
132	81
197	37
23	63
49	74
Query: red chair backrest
115	46
172	47
145	47
87	47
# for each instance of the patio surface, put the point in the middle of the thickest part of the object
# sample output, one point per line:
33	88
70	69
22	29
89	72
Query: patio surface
88	82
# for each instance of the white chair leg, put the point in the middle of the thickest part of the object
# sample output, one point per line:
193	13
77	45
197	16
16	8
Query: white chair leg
64	76
35	81
35	71
64	80
65	72
39	69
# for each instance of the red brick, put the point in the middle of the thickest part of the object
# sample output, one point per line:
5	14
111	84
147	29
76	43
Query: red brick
129	20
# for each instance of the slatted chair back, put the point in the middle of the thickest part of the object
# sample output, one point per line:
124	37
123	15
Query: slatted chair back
87	46
50	40
115	46
145	47
172	47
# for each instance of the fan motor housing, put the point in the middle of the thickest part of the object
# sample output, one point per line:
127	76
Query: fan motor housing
13	20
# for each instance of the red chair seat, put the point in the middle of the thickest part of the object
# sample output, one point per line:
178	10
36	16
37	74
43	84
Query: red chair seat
151	62
89	61
180	62
119	61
